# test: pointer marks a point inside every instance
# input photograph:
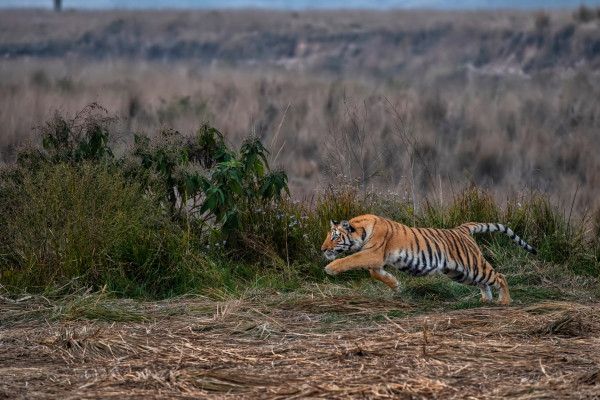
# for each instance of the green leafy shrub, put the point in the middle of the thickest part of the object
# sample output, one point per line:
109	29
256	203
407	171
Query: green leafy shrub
203	176
82	138
242	183
162	165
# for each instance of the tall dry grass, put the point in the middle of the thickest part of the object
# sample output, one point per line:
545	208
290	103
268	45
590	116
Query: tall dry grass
427	101
508	134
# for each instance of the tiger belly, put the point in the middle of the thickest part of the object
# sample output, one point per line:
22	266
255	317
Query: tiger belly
419	263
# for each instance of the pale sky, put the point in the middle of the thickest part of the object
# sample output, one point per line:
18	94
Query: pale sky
301	4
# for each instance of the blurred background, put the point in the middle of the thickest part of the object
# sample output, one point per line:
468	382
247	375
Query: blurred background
396	96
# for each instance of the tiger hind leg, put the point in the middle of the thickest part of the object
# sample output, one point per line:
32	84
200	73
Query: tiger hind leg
502	286
485	278
496	280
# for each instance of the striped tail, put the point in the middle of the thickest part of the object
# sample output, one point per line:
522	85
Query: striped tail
474	227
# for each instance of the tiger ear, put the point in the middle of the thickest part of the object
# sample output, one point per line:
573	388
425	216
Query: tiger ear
333	223
346	225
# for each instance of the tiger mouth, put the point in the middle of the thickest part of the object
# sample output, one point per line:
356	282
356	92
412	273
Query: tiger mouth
330	254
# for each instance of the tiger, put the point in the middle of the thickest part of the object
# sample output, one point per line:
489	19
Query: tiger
378	242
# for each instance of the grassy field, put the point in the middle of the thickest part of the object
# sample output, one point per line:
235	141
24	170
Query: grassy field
90	242
147	252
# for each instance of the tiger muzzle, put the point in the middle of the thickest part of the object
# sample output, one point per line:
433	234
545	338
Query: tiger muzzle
330	254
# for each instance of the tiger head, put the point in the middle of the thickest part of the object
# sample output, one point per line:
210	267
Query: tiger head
341	237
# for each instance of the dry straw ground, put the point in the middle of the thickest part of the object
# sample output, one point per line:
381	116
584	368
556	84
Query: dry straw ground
324	343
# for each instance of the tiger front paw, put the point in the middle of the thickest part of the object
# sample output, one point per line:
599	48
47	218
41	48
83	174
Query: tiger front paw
331	270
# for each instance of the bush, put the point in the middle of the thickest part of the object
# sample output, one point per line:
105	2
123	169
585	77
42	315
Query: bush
73	212
82	138
162	165
86	222
203	177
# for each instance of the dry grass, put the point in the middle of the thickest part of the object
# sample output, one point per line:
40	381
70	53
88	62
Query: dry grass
325	343
490	98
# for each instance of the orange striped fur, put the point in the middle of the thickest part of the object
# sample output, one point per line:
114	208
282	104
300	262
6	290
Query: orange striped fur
378	242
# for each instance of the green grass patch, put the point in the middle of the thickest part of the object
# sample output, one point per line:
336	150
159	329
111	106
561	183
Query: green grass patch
436	288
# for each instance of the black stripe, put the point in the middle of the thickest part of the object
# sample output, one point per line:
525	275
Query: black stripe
441	241
489	274
477	277
409	258
472	251
451	246
426	240
391	225
416	241
460	247
411	243
423	261
384	241
435	261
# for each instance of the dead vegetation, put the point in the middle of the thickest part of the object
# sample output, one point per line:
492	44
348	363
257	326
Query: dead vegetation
324	343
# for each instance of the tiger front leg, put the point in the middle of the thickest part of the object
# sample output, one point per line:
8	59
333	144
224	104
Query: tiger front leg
361	260
382	275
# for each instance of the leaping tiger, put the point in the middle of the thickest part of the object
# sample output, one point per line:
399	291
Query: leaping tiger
378	242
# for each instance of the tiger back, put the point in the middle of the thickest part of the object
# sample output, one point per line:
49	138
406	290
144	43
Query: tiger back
378	242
